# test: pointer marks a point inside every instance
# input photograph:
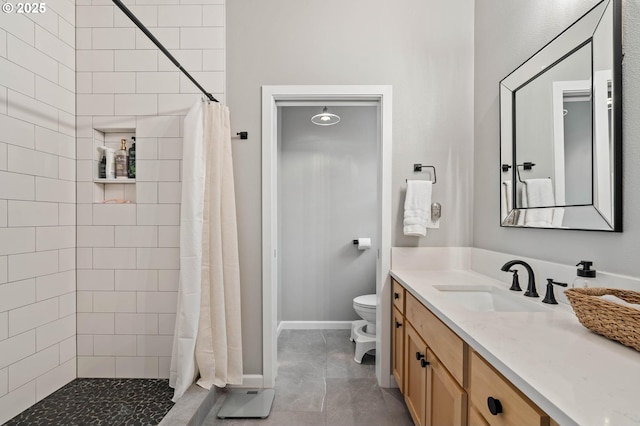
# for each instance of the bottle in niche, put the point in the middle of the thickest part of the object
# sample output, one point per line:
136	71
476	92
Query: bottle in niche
122	162
131	170
102	167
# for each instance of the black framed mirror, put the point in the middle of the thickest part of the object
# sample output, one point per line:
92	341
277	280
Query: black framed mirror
561	129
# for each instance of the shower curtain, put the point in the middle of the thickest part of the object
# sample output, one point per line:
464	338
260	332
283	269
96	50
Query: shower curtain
207	339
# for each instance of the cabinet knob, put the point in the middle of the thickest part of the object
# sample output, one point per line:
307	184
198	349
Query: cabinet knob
424	363
398	324
419	356
396	296
495	406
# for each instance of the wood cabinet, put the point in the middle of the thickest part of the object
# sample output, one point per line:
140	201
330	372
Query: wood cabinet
415	363
446	400
443	381
497	400
398	347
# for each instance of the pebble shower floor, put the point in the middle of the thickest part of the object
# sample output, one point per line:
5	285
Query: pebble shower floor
112	402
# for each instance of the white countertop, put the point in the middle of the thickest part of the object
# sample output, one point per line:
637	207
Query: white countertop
574	375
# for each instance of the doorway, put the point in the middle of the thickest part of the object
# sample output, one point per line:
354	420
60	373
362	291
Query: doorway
273	99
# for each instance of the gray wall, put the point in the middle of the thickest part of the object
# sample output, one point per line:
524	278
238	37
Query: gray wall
424	49
506	34
327	198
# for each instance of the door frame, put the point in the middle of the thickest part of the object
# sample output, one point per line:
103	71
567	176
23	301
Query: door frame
271	95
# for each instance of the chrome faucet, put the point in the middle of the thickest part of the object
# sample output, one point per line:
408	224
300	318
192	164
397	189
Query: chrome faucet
531	283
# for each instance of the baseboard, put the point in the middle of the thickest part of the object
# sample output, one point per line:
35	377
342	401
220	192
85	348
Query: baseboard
314	325
251	381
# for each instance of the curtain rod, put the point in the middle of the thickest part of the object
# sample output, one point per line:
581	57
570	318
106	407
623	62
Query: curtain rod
155	41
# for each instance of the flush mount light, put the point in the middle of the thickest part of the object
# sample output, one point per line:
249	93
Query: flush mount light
325	118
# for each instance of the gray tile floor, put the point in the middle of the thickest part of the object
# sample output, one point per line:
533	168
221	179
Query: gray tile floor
319	383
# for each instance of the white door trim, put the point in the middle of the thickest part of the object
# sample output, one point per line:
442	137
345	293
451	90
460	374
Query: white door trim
271	95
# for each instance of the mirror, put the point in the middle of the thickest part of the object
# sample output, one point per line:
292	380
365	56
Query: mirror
561	129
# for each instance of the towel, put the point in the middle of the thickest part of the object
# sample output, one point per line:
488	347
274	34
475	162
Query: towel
417	207
614	299
506	199
538	193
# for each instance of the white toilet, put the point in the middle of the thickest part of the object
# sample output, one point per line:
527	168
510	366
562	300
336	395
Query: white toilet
363	332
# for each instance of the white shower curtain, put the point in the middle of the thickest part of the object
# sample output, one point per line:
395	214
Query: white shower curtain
207	340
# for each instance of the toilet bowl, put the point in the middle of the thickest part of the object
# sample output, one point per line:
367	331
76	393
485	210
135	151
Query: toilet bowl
365	307
363	332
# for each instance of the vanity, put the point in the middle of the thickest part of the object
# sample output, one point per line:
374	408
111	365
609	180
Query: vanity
523	363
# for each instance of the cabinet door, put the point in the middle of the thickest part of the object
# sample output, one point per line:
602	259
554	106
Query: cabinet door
475	418
446	400
398	348
415	374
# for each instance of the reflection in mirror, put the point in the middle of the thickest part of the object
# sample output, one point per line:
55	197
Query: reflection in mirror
560	130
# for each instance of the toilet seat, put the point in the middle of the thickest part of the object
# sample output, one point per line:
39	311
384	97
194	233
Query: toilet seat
365	301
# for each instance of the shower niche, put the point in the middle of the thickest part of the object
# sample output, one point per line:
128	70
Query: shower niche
116	190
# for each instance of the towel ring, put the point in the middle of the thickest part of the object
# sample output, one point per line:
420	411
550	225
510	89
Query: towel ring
525	166
418	168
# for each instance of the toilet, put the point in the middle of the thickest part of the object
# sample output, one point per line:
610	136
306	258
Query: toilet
363	332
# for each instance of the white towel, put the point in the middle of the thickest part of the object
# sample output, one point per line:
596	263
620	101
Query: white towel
615	299
538	193
417	207
506	199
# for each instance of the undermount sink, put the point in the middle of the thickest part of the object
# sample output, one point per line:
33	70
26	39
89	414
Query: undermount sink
486	298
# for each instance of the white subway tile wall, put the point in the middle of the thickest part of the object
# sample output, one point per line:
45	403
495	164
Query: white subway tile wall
37	205
128	254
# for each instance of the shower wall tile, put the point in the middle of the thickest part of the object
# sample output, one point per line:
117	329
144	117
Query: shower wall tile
50	381
137	367
68	349
114	258
55	285
16	294
136	236
154	345
113	38
136	280
143	104
95	236
95	60
96	366
32	316
111	82
55	332
158	258
17	132
157	302
137	324
100	323
31	58
148	15
136	60
124	286
180	16
112	345
17	401
157	82
33	366
37	205
16	348
114	301
169	37
95	16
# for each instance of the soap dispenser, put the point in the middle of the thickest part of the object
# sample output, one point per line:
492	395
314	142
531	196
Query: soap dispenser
586	277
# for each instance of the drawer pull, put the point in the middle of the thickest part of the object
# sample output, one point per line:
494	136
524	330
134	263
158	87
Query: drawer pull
396	295
419	356
495	406
424	363
398	324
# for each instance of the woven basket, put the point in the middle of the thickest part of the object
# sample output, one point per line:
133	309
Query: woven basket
612	320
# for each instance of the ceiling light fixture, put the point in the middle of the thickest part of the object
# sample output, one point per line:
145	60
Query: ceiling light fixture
325	118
